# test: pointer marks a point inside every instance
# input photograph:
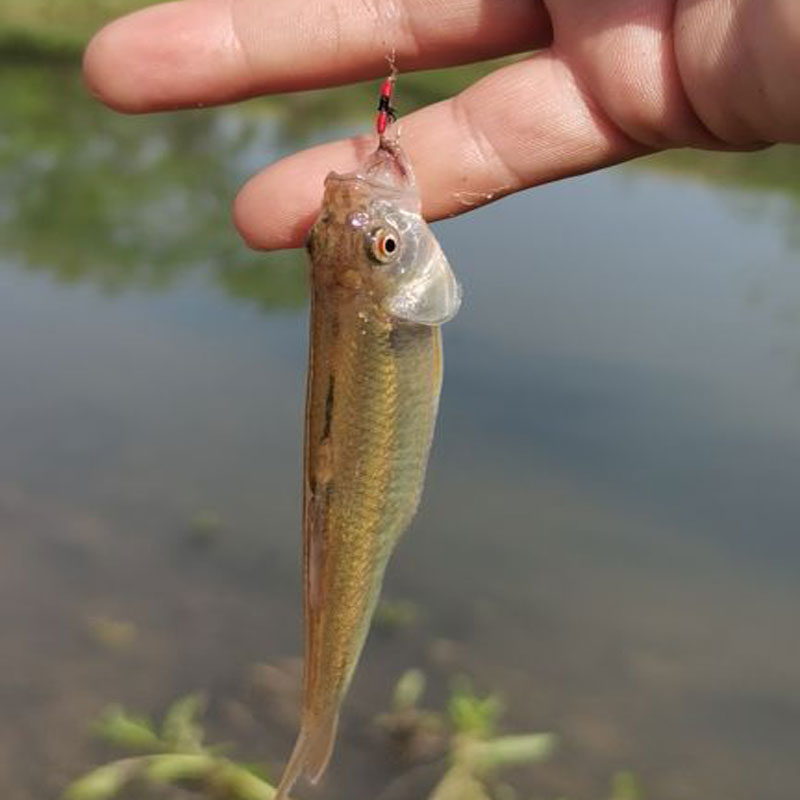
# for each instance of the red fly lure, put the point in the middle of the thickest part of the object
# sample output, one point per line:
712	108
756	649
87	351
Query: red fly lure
386	113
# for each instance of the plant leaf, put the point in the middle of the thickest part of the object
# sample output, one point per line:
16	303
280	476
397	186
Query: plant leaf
181	730
176	767
471	714
101	783
458	784
121	729
241	783
485	756
408	690
625	786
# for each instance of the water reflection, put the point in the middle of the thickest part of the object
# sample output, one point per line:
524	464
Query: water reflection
609	531
120	202
771	170
88	196
80	185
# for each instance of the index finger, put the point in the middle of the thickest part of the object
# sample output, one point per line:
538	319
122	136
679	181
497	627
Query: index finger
198	52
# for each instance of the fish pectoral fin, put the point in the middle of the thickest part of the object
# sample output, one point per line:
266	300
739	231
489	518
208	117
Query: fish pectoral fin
311	753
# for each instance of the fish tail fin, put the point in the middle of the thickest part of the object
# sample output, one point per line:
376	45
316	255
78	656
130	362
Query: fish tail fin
311	753
321	746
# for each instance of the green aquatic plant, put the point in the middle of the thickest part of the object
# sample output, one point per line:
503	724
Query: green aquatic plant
466	734
175	753
625	786
463	738
471	714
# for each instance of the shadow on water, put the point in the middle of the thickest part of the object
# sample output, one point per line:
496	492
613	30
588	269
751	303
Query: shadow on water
623	425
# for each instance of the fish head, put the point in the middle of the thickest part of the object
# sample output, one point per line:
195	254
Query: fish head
370	238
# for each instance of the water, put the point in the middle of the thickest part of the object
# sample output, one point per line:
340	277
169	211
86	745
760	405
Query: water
609	531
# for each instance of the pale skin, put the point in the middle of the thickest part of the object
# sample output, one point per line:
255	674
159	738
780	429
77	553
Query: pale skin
610	80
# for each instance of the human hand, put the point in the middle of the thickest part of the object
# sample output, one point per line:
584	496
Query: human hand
611	80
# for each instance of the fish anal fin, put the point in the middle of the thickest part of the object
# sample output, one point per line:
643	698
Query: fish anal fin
311	753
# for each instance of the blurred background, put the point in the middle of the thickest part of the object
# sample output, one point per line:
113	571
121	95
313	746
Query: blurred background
608	539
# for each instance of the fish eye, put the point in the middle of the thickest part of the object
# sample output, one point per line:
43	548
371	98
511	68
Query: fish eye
383	244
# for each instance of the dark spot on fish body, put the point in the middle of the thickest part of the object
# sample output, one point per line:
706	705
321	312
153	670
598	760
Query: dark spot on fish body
329	405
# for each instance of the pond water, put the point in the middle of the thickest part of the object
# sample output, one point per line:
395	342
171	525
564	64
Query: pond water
609	535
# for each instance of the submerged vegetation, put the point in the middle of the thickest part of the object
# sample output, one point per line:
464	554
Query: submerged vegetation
462	743
174	753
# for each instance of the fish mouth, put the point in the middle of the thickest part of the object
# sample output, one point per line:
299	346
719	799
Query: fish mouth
386	170
389	166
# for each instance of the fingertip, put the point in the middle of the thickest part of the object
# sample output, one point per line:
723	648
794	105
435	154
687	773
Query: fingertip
101	73
154	58
275	208
269	217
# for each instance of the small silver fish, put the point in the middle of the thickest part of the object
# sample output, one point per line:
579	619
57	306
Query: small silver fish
381	287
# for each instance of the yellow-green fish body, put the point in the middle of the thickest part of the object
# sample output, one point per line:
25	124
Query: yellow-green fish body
381	287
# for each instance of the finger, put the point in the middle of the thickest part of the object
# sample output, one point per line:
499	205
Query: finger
740	68
214	51
525	124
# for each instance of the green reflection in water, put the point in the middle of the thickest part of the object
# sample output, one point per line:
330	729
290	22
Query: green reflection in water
775	170
55	28
88	196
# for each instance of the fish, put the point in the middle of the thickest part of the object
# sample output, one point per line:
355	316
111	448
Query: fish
381	287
